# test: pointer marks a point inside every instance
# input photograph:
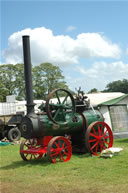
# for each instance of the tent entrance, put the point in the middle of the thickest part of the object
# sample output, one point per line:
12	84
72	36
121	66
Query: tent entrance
119	118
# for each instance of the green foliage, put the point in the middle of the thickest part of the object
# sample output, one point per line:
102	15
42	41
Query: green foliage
46	77
117	86
94	90
7	81
11	81
3	91
20	82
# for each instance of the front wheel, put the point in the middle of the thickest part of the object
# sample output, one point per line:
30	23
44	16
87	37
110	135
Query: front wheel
59	150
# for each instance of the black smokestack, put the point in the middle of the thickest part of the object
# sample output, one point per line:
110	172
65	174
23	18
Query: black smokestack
28	74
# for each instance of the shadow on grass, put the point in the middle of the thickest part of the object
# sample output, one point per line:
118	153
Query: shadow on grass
42	162
17	164
82	155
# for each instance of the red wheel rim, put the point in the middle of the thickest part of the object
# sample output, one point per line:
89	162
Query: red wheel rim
99	137
29	144
59	150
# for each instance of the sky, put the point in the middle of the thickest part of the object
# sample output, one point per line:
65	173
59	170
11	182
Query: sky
88	40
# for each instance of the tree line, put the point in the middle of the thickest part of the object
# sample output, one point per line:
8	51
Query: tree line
46	77
115	86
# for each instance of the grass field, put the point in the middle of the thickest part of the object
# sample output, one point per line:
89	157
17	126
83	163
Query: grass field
82	174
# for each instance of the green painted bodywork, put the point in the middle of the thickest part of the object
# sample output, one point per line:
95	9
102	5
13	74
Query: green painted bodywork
70	127
92	116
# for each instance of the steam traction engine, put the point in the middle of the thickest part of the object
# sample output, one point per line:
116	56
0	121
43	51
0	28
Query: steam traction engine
69	123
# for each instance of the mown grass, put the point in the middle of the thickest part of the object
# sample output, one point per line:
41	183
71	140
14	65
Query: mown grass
82	174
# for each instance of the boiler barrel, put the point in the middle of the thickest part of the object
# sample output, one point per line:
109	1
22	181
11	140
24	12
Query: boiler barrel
83	121
41	125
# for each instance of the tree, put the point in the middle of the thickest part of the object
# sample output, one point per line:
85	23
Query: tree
3	92
47	77
94	90
19	81
7	81
39	89
117	86
12	81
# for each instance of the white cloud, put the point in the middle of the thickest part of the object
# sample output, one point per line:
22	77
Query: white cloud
100	74
127	51
113	69
91	45
59	49
70	28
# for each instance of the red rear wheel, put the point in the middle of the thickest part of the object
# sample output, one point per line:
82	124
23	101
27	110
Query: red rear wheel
98	137
29	144
59	149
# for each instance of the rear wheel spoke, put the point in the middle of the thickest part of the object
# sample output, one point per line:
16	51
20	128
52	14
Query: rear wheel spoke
106	137
102	128
94	145
94	131
106	142
99	129
105	133
96	148
93	135
103	147
59	143
100	147
92	140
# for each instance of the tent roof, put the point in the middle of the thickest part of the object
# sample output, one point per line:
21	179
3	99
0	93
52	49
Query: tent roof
99	98
114	101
